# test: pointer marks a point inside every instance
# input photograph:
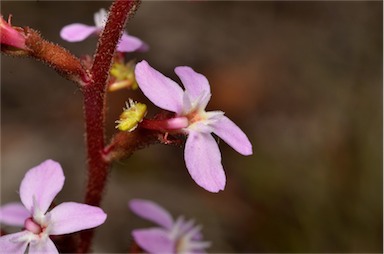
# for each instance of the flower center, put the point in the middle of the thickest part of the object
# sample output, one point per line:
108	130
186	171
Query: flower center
33	227
194	117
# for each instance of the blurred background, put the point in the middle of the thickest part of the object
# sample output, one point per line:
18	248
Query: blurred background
302	79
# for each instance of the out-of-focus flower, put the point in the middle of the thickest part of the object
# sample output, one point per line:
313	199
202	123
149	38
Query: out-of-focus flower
12	38
202	154
180	236
122	75
78	32
37	190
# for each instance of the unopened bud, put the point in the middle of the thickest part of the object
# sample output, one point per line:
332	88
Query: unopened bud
12	38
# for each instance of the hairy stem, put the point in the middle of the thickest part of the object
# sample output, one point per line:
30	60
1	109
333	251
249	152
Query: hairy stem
94	107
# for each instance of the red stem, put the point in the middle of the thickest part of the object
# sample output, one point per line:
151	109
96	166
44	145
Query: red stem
94	107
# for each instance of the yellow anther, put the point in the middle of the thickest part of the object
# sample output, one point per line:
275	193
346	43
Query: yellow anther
131	116
123	76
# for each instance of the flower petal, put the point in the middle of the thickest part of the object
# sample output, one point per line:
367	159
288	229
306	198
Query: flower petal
41	183
161	90
14	214
13	243
203	160
195	83
151	211
129	43
70	217
232	135
42	246
77	32
154	240
100	18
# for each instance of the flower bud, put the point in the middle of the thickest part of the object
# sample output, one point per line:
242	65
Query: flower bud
12	38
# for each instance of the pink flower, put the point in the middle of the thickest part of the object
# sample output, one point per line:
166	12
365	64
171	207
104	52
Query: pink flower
37	190
178	236
202	154
79	32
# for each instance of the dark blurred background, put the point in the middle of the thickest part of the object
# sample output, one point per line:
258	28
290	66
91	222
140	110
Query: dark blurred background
302	79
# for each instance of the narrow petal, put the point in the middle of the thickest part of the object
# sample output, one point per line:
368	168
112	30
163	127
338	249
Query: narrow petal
129	43
203	159
161	90
194	83
14	214
43	246
41	183
77	32
232	135
70	217
13	243
154	240
151	211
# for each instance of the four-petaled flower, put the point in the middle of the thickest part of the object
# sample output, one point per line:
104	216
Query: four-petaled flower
79	32
178	236
37	190
202	154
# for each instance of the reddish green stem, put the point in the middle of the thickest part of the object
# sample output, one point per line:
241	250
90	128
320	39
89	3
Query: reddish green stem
94	107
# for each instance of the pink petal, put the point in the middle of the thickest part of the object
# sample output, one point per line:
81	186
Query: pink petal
77	32
232	135
14	214
195	83
41	183
12	243
70	217
203	160
152	212
154	240
43	246
161	90
129	43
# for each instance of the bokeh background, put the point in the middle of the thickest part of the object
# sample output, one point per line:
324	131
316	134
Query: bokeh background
302	79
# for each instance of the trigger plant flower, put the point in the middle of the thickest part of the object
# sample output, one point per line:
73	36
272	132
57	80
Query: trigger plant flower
78	32
37	190
180	236
202	154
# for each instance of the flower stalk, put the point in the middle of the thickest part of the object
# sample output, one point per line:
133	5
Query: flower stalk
94	106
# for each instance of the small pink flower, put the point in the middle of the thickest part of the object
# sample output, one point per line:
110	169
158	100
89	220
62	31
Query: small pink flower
10	36
79	32
178	236
37	190
202	154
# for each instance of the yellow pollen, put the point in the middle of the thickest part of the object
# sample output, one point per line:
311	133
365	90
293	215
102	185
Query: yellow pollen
131	116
